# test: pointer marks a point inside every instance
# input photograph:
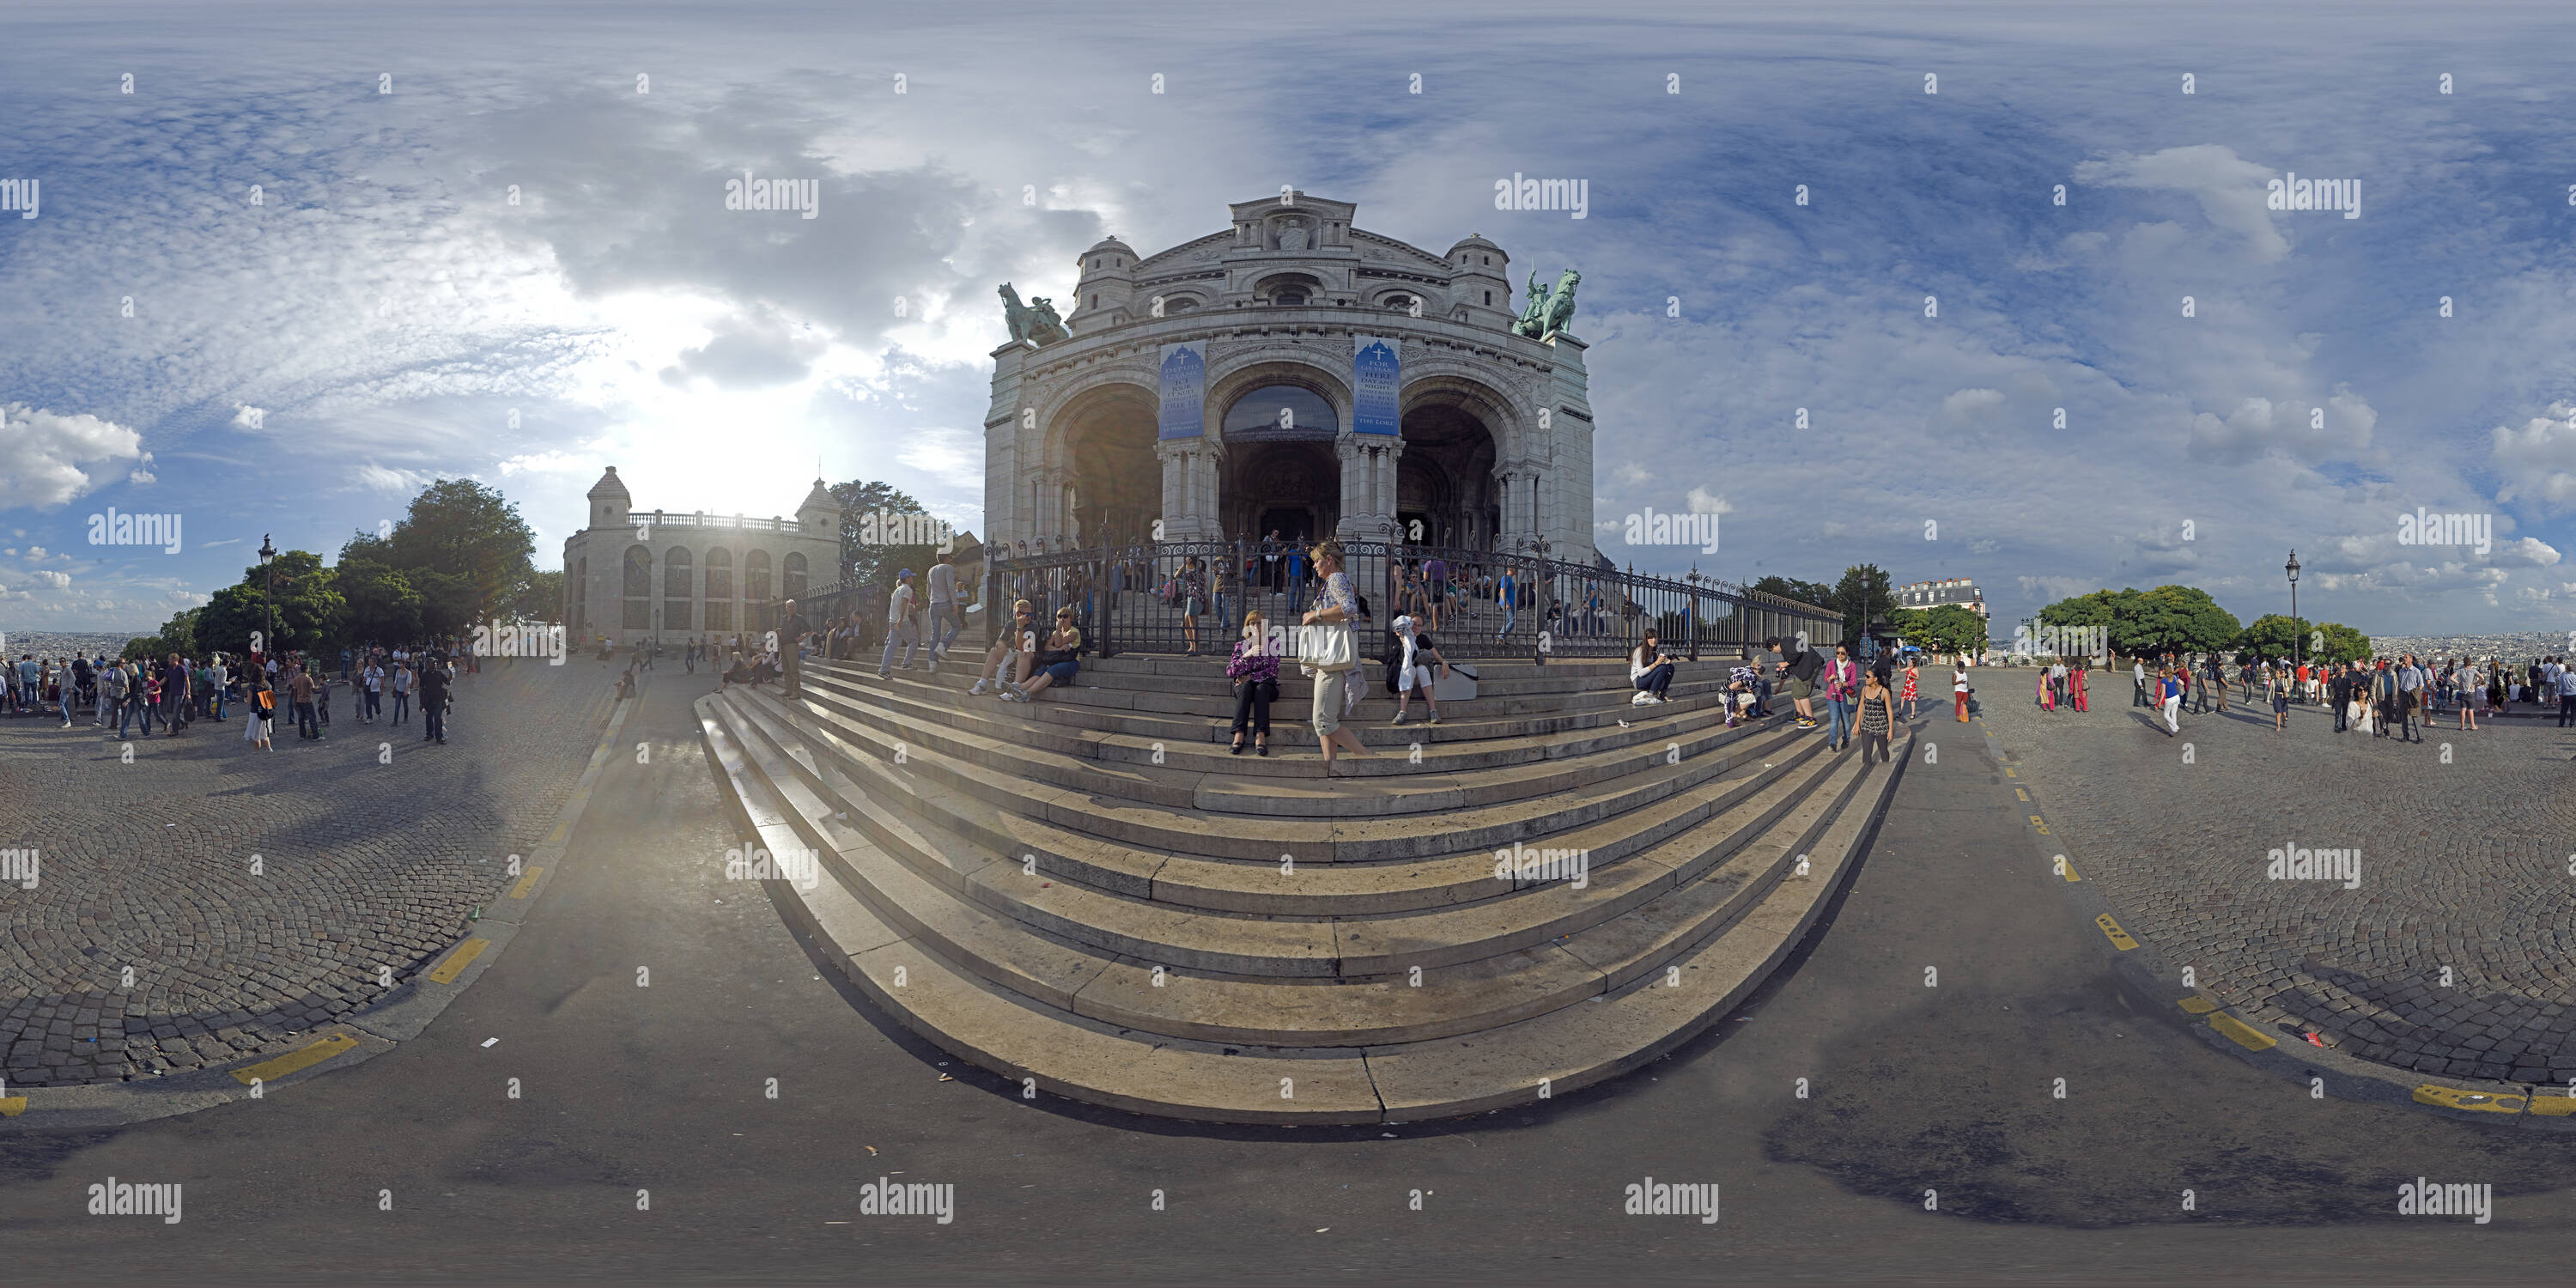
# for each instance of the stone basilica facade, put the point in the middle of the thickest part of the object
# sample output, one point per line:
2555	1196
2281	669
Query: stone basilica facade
1291	372
634	574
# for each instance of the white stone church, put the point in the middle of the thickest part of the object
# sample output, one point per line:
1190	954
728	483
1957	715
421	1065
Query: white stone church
1292	372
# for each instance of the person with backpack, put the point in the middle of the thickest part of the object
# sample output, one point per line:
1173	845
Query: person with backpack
111	696
1877	717
1799	666
1407	670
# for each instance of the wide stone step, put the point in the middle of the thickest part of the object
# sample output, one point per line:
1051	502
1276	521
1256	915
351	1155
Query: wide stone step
1211	722
1116	766
1174	824
1079	1056
1187	744
1287	944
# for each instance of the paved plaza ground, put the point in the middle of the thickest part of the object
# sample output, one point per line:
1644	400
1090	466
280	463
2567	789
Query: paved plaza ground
362	865
2454	956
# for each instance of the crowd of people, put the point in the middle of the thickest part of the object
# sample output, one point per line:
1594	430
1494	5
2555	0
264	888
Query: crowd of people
2386	697
177	692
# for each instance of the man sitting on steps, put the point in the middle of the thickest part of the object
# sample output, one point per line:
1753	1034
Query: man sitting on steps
1018	647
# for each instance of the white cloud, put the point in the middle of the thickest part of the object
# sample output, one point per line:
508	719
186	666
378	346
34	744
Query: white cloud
48	577
389	479
44	454
2540	459
1972	406
2529	550
1703	501
2228	187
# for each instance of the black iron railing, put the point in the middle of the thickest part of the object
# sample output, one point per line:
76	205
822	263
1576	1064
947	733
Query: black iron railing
1173	596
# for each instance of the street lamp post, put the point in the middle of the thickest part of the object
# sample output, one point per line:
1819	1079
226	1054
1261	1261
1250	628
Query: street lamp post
268	598
2292	568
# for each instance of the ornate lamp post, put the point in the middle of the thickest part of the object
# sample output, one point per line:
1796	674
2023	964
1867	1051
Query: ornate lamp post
268	598
2292	568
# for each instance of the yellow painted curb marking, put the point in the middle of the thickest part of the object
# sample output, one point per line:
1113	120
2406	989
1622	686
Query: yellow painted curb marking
2010	772
272	1070
457	961
2119	938
2242	1033
12	1106
2023	793
2560	1105
2454	1098
2197	1005
2066	868
526	883
2037	822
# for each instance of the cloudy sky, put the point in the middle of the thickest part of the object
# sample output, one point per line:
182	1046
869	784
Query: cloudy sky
516	265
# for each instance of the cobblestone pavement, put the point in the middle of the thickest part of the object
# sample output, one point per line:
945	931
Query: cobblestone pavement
2455	955
362	866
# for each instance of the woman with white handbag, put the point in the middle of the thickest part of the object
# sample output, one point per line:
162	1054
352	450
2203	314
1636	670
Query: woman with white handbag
1329	655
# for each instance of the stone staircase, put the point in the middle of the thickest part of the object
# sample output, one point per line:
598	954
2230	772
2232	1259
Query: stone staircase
1090	895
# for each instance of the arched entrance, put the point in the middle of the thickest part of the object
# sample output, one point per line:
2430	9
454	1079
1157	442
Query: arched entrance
1280	470
1294	487
1445	480
1117	486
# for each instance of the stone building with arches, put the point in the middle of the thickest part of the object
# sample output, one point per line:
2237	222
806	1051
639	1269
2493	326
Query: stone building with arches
631	574
1292	372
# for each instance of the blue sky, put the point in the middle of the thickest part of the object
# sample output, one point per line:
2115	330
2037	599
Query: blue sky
298	367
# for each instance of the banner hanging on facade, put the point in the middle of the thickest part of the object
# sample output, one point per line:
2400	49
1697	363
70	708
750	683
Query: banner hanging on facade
1184	411
1377	369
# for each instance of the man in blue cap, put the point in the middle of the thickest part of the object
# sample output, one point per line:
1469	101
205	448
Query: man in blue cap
903	624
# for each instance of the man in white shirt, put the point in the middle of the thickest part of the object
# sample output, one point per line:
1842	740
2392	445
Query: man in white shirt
375	682
943	608
2566	695
903	624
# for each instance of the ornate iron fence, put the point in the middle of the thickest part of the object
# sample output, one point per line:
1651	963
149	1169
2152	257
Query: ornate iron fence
1176	596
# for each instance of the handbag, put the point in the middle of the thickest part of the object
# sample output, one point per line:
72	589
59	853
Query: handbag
1326	649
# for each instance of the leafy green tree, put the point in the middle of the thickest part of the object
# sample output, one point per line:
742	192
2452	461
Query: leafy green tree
1942	628
383	604
2181	619
2341	643
2274	635
1862	592
864	559
541	597
465	531
1805	592
231	617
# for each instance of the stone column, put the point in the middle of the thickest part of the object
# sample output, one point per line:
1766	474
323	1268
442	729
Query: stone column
1189	488
1368	483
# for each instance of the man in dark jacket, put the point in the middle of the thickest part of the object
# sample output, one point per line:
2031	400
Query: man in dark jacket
433	698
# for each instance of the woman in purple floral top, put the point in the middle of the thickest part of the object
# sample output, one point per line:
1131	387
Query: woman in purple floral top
1255	672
